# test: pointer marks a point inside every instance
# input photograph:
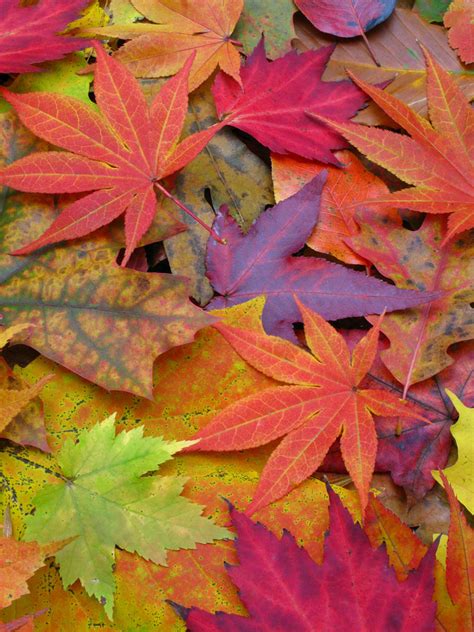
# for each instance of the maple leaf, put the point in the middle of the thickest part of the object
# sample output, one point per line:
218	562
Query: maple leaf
29	34
420	336
456	612
459	19
460	475
18	562
274	96
437	159
344	188
343	593
12	401
396	45
102	476
411	449
324	399
161	49
121	153
274	18
261	262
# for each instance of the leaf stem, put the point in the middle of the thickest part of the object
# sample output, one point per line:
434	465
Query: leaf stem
167	194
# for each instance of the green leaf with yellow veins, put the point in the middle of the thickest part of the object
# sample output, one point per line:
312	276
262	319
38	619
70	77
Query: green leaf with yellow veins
461	474
102	500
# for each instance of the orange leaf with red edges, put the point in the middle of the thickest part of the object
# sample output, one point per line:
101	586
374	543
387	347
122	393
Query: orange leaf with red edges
438	159
344	188
18	562
120	153
320	399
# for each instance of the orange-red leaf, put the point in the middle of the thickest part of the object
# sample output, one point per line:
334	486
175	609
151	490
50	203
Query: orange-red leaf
18	562
344	188
438	159
324	400
119	153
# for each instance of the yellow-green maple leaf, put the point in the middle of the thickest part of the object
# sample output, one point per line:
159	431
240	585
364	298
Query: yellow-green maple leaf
102	500
461	474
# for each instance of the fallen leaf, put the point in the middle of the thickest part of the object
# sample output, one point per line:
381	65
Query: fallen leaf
120	153
231	174
460	475
30	34
432	10
18	562
101	475
455	588
324	399
273	19
420	337
437	159
261	262
342	593
344	188
396	45
459	19
348	18
176	29
272	102
411	449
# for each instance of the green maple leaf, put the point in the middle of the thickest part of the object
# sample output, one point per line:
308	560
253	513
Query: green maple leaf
103	501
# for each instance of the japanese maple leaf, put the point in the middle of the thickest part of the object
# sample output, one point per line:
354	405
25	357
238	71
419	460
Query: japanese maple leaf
321	398
411	449
160	49
274	96
261	262
438	159
101	500
459	19
353	589
120	153
29	34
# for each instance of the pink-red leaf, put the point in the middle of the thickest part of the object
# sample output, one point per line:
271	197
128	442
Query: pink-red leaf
353	589
29	34
274	96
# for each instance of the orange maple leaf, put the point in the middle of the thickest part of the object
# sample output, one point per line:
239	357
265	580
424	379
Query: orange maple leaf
321	398
459	19
438	159
178	28
120	154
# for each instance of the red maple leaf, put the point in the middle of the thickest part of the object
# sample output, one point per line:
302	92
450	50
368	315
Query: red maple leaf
120	153
321	398
354	588
29	34
274	96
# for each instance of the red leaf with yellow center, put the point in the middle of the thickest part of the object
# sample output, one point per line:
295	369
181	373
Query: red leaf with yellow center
120	153
321	398
438	159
